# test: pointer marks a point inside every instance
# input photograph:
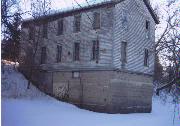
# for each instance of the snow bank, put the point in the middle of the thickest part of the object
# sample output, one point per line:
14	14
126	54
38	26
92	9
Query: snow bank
14	84
33	108
55	113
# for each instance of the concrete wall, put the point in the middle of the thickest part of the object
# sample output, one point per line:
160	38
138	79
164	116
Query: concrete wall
130	96
106	91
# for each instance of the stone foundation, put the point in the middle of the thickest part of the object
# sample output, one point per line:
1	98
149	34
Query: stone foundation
105	91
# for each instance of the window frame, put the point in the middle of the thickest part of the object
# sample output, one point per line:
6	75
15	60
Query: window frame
59	54
60	29
74	73
76	46
146	57
43	54
77	20
147	27
125	19
31	31
95	27
124	52
45	30
95	50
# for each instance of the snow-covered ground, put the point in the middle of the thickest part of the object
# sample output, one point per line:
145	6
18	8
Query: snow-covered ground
30	107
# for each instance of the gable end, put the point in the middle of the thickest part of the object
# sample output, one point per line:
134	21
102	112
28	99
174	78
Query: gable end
151	11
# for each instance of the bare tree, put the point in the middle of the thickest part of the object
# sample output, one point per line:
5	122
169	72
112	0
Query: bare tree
10	28
168	43
39	9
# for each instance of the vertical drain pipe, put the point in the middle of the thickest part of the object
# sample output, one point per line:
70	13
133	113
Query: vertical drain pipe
81	84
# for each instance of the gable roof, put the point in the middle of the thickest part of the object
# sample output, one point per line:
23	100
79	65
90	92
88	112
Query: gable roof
149	7
89	7
73	11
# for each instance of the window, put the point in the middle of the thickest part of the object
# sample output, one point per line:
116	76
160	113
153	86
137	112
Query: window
77	23
43	55
124	52
146	57
95	51
147	25
147	29
124	19
75	74
45	30
31	33
59	53
96	22
76	51
60	27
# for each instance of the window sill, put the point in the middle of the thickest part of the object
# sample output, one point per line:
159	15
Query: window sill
59	34
146	66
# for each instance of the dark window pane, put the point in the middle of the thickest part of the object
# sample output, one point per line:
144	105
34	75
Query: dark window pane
43	55
59	53
147	24
31	33
95	51
60	27
146	57
124	52
77	23
76	51
45	30
96	22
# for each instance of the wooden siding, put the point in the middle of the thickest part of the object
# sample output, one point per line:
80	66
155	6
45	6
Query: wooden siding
85	37
134	35
110	35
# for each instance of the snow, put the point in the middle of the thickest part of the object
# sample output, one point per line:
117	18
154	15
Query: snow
14	83
30	107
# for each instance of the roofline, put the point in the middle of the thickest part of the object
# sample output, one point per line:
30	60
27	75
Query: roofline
151	12
73	11
78	10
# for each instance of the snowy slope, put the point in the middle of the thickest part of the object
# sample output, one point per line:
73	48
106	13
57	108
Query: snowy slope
14	84
33	108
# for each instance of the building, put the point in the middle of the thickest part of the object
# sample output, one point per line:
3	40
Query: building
99	57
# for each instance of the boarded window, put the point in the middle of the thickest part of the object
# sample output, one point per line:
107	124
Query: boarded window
31	33
124	52
59	53
45	30
60	27
43	55
96	22
95	51
76	51
146	57
77	23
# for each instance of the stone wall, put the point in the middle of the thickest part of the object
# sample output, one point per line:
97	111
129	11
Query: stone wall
42	79
130	96
105	91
